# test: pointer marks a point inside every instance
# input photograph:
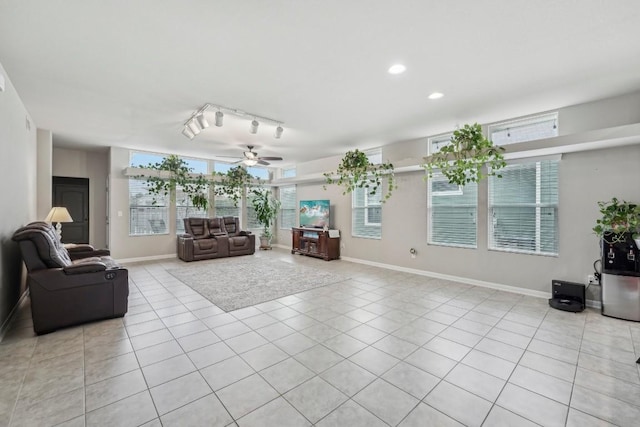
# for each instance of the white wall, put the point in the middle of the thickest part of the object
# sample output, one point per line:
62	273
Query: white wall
18	189
93	165
45	160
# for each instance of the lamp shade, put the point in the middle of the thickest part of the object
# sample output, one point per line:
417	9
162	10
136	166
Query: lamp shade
58	214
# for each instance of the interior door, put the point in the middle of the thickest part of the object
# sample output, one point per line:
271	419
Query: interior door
73	194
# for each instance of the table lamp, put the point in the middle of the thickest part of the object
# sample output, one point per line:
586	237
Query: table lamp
59	215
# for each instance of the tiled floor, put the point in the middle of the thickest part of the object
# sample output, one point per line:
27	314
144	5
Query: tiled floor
381	348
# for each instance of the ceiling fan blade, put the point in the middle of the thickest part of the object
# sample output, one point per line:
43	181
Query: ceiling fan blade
270	158
262	162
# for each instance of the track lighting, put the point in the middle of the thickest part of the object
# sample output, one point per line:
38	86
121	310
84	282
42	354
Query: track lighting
198	122
201	121
254	126
219	118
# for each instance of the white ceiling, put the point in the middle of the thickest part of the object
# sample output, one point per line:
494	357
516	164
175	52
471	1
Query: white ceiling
128	73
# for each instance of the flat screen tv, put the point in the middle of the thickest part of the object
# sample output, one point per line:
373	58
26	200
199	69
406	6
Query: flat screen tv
314	213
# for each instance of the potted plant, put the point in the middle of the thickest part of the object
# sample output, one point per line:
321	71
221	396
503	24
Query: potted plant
357	171
462	160
266	208
620	220
233	182
174	172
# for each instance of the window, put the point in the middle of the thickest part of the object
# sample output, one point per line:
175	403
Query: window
288	208
289	173
252	221
145	216
527	129
223	206
366	207
452	213
185	209
437	142
260	173
523	208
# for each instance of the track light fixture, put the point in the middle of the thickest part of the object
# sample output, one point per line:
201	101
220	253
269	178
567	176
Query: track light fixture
254	126
197	121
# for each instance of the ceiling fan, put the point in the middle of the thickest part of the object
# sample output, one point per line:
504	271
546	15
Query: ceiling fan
251	158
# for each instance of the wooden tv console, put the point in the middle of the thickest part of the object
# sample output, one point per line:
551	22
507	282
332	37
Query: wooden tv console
315	242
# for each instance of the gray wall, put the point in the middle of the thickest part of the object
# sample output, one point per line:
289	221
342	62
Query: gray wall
18	190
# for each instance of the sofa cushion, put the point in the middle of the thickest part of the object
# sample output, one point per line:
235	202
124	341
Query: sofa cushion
197	227
216	227
47	243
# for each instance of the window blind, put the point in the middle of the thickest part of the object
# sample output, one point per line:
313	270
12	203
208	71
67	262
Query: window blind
145	216
366	214
452	213
523	208
185	209
527	129
223	206
252	221
288	208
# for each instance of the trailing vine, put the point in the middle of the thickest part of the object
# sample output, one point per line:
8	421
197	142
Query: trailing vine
357	171
462	160
233	182
179	175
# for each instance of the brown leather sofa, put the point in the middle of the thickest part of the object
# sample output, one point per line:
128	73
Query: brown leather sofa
69	286
207	238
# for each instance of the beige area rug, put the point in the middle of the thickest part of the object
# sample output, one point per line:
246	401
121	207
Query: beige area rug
238	282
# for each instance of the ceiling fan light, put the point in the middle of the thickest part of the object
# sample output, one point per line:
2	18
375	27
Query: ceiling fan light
250	162
201	121
278	133
193	126
254	126
187	132
219	118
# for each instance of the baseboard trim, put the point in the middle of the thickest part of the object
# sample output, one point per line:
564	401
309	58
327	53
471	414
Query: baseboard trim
14	311
146	258
466	280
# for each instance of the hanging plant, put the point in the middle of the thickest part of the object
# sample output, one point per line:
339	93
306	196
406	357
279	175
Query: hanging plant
357	171
619	220
462	160
233	182
179	175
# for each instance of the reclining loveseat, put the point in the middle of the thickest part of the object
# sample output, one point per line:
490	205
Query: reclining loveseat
207	238
69	286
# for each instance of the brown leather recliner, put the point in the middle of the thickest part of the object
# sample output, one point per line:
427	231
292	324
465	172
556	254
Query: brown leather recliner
69	287
202	242
240	242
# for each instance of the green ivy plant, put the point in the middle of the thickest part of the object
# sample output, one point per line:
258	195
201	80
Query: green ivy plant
266	207
619	220
233	182
180	174
357	171
462	160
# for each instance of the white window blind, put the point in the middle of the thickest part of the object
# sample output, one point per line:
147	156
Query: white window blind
252	221
527	129
366	220
145	216
452	213
185	209
523	208
288	208
223	206
437	142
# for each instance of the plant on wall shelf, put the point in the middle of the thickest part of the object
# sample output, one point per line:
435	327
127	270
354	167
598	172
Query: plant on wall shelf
619	220
266	208
462	160
357	171
232	183
178	174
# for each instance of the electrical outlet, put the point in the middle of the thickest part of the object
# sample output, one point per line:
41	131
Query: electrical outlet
591	279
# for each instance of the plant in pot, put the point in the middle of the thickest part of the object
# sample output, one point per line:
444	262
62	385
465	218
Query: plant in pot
357	171
266	208
620	221
233	182
174	172
463	160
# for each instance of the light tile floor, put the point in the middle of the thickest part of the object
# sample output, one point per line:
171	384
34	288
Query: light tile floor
380	348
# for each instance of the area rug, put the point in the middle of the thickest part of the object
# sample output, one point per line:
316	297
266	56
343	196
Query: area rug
238	282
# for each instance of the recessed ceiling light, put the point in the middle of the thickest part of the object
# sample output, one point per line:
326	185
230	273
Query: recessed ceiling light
436	95
397	69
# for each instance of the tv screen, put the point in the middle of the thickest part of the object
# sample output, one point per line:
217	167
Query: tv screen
314	213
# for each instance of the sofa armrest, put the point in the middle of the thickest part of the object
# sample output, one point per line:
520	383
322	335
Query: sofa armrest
78	247
56	279
245	233
79	251
85	267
